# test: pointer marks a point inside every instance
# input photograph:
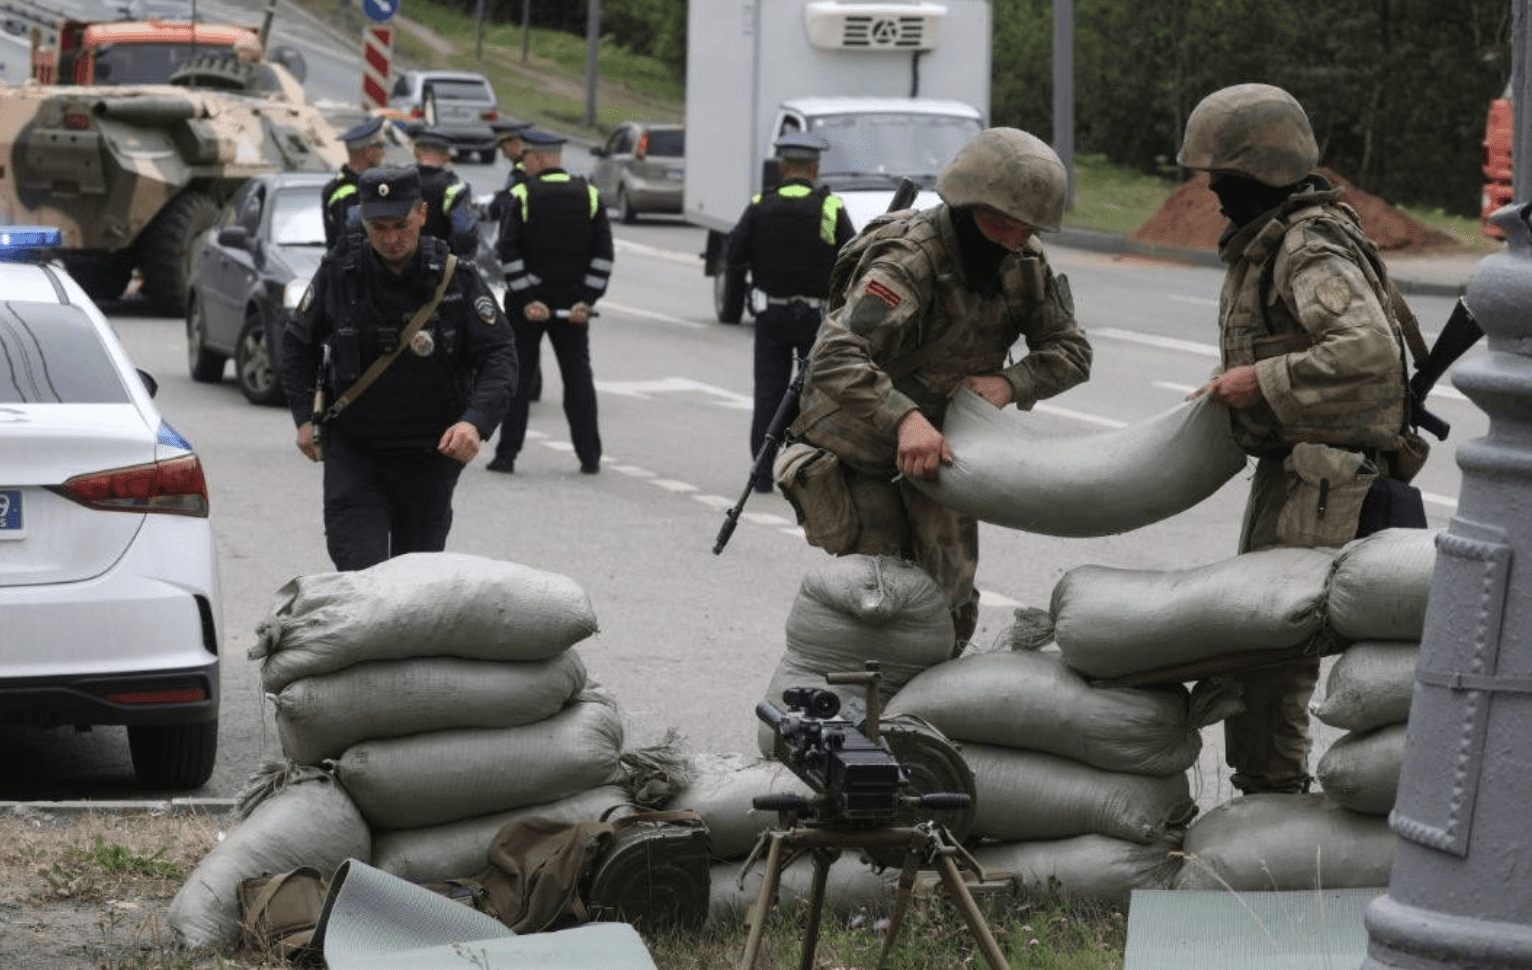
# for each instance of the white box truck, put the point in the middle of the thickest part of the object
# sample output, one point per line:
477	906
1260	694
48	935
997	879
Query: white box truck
895	86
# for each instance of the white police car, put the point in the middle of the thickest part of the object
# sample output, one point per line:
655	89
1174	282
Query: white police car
110	610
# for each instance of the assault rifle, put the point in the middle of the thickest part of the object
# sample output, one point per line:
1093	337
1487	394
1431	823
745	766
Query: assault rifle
1461	332
787	411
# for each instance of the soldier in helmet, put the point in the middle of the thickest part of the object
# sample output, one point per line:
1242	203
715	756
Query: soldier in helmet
923	303
788	238
364	149
449	208
1313	374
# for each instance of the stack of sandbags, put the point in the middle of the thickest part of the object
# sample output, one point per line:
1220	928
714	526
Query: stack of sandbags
1055	758
291	816
851	609
723	789
1179	625
444	689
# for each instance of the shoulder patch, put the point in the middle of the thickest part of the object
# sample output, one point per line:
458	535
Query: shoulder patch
883	292
1334	294
485	308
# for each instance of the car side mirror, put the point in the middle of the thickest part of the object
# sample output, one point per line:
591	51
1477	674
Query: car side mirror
235	237
150	384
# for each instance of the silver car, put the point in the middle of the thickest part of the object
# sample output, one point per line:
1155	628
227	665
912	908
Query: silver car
459	104
640	168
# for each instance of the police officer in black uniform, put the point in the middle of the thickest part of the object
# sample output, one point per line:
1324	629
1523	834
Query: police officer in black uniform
364	150
787	238
555	250
449	203
392	458
508	139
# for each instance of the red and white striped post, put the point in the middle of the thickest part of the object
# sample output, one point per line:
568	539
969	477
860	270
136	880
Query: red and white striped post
377	51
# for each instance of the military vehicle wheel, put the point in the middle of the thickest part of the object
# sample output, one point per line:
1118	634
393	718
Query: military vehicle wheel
729	295
167	252
173	756
205	365
254	368
103	277
625	211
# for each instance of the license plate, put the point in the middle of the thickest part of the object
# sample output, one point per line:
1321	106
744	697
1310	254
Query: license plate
13	525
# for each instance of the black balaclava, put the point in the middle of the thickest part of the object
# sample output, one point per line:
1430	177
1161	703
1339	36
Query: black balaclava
980	257
1242	199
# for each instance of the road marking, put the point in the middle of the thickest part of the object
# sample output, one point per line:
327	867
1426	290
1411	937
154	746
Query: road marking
670	385
1155	340
672	485
715	501
674	256
987	598
1079	415
1172	386
1198	300
650	315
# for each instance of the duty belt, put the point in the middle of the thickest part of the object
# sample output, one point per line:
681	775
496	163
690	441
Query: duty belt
813	302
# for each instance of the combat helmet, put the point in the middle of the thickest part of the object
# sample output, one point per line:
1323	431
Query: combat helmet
1010	172
1255	130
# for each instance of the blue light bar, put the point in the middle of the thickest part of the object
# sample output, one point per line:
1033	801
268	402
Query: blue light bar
29	237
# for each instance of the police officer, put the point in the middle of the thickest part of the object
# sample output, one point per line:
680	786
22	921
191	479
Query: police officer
364	149
392	458
787	239
449	204
1313	374
555	250
508	139
932	301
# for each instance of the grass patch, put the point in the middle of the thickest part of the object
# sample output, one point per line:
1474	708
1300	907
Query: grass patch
1110	198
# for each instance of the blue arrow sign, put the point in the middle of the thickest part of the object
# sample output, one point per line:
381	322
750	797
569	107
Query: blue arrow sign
380	10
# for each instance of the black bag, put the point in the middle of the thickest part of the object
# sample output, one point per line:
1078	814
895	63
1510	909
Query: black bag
1391	504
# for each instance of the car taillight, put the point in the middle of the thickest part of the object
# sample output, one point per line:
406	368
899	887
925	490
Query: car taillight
176	487
489	115
185	695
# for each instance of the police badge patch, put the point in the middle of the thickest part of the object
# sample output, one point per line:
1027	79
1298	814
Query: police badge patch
485	308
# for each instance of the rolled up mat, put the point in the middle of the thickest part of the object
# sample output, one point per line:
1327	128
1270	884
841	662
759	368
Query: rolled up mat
374	921
1004	472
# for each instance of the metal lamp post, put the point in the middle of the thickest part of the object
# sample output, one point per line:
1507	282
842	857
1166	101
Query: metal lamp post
1461	891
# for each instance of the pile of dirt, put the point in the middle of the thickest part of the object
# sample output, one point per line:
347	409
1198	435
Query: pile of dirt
1190	219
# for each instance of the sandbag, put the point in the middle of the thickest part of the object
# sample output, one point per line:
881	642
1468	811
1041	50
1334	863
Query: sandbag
1006	472
723	792
1361	770
1029	796
1369	686
428	779
1087	867
1112	622
851	609
456	849
1034	701
310	821
438	604
1379	588
1279	843
320	717
850	884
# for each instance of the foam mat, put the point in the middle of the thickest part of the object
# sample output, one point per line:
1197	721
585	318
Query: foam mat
1185	930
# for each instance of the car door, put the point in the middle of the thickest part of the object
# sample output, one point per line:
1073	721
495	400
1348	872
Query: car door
231	271
616	156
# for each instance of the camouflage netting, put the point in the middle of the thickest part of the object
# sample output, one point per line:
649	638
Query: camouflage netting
1190	219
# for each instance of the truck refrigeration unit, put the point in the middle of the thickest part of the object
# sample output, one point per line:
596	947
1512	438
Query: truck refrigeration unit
896	87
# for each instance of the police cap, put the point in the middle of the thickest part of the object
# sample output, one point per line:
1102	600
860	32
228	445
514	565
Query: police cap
363	134
388	193
431	138
800	146
538	140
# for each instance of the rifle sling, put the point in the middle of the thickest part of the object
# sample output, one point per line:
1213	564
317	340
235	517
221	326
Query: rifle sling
382	364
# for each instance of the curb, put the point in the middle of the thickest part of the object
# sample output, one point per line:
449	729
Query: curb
1114	244
164	806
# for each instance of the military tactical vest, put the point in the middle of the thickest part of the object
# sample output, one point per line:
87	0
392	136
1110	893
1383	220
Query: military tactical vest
1257	324
794	243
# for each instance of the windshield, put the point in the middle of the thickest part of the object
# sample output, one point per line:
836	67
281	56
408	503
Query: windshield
297	219
670	144
460	90
147	63
891	144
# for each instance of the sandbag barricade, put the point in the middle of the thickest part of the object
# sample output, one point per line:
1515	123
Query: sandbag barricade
1096	868
1367	693
723	792
1380	585
851	609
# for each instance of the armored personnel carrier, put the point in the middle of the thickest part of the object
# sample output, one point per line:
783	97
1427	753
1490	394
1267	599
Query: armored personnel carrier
133	173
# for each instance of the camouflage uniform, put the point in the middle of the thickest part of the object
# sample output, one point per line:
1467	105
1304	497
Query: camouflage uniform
901	336
1305	303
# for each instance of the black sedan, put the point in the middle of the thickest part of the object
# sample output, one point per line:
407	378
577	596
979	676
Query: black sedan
248	272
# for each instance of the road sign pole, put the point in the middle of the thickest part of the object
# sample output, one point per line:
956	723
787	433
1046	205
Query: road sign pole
377	55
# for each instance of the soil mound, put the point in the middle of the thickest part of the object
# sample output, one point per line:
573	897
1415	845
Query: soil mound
1190	219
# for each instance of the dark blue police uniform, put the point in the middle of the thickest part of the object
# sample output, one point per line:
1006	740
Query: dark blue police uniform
387	489
339	195
449	206
787	238
555	247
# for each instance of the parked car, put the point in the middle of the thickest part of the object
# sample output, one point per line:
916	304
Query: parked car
640	167
247	274
108	579
459	104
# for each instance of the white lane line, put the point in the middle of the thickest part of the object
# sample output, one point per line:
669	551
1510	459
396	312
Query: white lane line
1446	501
1198	300
714	501
1079	415
767	519
634	470
1172	386
670	385
633	311
672	255
988	598
1155	340
671	485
